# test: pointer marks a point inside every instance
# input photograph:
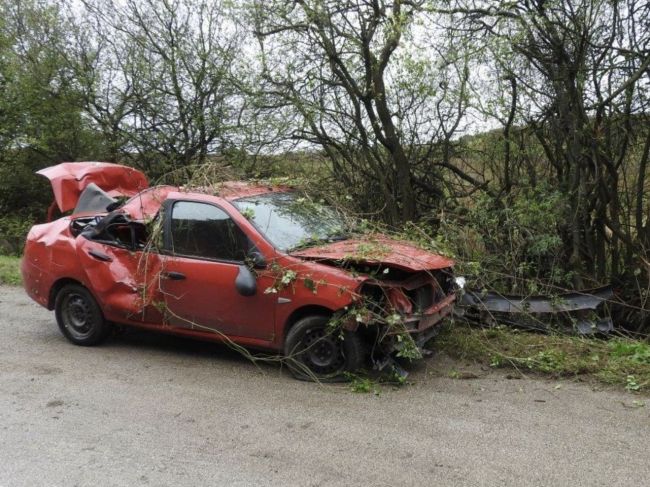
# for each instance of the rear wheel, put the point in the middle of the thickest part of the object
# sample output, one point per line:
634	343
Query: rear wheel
315	352
79	317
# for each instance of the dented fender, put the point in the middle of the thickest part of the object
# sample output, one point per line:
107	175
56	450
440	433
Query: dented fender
125	282
49	256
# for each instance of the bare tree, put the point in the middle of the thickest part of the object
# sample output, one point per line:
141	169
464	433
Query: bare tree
157	77
377	108
580	71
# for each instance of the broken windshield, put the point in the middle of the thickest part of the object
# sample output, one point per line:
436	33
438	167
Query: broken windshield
291	221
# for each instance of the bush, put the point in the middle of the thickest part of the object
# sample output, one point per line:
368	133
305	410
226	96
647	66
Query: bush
10	270
13	230
508	245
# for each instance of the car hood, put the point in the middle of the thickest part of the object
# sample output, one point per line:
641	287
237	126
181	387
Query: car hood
377	250
69	179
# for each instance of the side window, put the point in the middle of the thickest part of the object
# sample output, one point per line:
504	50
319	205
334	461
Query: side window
113	229
203	230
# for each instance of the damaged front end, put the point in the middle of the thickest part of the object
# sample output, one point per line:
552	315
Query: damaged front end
398	312
404	295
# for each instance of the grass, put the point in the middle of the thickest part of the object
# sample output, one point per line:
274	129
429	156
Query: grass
618	361
10	270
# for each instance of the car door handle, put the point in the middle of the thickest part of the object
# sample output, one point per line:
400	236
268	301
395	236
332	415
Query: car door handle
100	255
174	276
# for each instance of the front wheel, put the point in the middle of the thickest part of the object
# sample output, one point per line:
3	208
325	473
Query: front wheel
313	351
79	317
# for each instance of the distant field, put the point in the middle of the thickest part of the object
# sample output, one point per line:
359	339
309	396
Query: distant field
10	270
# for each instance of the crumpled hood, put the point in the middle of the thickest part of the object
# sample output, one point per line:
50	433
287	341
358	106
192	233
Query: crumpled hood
69	179
377	250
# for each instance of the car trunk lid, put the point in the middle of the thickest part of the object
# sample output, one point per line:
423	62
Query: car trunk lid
69	179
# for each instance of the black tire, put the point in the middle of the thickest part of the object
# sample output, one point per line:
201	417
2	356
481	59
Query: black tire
79	316
315	353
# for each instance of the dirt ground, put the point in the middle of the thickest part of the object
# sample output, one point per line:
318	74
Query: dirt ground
148	409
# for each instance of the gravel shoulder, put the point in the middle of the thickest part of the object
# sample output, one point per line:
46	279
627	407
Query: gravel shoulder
148	409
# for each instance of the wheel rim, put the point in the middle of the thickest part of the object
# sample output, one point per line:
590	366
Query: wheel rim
77	315
322	352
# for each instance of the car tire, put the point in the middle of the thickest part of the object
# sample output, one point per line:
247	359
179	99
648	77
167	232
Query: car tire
313	352
79	316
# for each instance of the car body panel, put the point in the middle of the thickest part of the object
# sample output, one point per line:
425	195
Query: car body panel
50	255
232	190
69	179
206	299
146	204
377	249
127	285
334	290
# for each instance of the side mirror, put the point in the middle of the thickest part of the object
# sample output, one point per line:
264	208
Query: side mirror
257	260
245	282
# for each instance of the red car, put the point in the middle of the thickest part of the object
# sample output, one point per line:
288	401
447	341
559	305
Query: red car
250	264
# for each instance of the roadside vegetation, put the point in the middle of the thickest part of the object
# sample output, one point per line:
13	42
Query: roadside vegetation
10	270
619	361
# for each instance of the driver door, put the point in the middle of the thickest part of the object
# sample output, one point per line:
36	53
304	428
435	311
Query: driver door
205	251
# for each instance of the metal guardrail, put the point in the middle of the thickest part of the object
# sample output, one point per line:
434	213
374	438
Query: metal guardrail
529	311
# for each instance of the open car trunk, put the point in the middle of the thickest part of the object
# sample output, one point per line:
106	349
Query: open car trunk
69	179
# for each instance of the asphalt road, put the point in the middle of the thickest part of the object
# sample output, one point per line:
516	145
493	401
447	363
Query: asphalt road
148	409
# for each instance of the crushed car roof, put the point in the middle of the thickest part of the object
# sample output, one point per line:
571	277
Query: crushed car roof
233	190
145	204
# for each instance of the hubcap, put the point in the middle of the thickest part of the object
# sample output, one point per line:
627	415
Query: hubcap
322	351
77	315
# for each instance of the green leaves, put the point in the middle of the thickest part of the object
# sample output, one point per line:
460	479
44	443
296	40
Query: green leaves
619	361
634	351
310	284
42	120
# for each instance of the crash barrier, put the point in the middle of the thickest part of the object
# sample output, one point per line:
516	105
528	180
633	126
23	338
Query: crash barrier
581	312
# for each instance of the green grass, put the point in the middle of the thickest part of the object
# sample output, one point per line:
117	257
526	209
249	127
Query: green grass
618	361
10	270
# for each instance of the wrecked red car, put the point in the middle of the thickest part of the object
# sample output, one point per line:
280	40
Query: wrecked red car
255	265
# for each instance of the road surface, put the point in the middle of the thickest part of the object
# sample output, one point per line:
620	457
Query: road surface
148	409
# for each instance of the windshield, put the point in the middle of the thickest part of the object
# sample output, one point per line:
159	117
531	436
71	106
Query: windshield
291	221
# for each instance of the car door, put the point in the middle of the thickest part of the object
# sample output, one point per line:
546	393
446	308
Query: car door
121	276
205	253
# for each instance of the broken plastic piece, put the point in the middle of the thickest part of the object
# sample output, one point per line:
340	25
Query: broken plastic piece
93	199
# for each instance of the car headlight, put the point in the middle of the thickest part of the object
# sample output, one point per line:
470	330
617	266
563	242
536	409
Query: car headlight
460	282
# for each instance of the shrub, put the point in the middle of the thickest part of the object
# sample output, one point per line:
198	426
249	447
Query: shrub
13	230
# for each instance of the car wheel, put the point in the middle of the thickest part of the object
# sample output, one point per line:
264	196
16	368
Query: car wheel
79	317
315	352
